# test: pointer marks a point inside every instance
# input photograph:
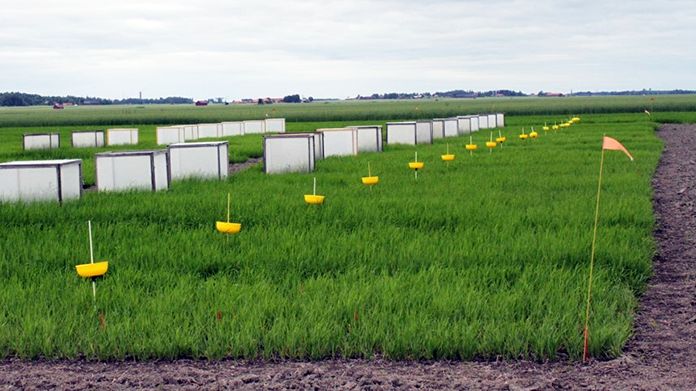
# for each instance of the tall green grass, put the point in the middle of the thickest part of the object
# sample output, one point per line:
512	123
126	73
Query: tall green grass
241	148
484	258
340	110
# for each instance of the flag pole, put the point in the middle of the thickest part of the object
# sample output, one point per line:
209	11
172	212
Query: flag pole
227	237
91	260
585	352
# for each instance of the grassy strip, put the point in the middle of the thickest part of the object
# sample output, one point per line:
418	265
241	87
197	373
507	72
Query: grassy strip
340	111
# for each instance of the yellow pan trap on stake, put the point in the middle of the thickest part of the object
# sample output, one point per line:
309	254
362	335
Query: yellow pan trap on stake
533	134
369	180
226	227
415	165
447	157
490	144
471	147
524	135
92	270
500	139
314	199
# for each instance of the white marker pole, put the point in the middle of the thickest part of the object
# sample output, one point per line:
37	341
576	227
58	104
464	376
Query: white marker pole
228	207
91	260
314	189
227	237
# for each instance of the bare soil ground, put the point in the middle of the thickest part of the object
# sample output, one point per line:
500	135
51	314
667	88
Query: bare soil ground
661	354
237	167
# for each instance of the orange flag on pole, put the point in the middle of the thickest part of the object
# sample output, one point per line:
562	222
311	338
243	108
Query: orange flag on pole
612	144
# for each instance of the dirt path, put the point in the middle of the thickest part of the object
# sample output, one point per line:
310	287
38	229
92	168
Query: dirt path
662	354
237	167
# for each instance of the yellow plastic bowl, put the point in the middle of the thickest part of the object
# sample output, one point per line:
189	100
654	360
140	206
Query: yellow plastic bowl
314	199
447	158
227	228
88	270
533	134
500	140
575	119
471	147
370	180
523	136
545	128
491	144
415	165
554	127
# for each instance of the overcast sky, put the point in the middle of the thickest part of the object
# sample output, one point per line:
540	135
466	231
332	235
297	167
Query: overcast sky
327	48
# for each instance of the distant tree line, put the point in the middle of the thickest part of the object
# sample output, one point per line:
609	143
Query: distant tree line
292	99
445	94
22	99
297	99
493	93
636	92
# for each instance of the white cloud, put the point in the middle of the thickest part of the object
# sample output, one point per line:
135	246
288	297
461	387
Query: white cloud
338	48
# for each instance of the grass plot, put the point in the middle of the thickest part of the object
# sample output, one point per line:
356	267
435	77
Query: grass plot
486	256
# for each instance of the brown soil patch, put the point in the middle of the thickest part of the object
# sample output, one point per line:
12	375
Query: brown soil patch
661	355
237	167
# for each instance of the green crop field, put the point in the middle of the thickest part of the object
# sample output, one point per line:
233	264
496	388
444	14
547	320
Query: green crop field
95	116
482	258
